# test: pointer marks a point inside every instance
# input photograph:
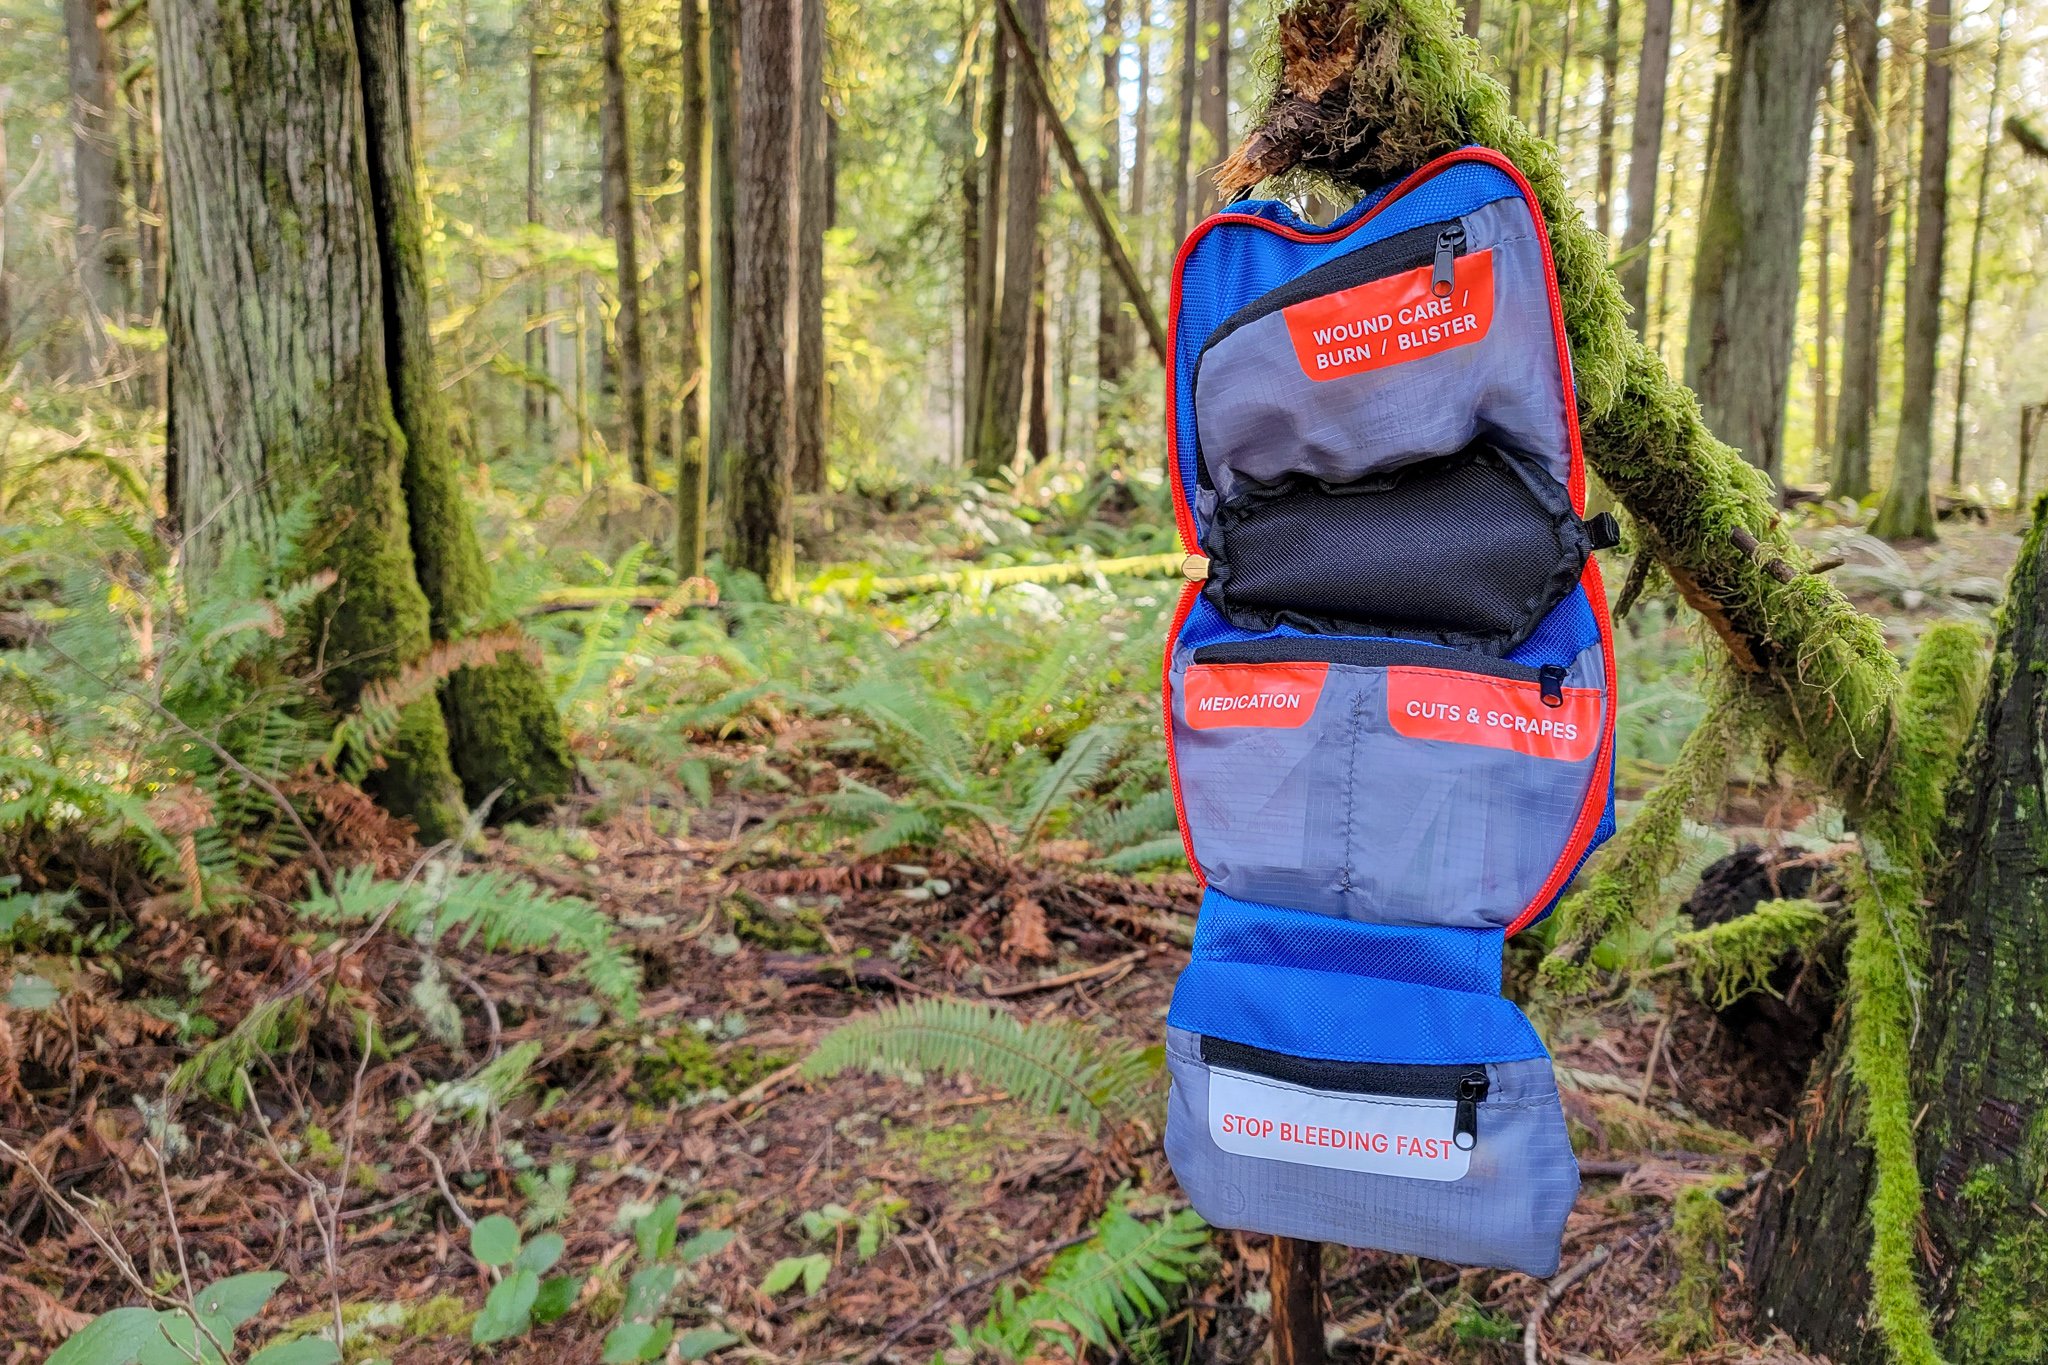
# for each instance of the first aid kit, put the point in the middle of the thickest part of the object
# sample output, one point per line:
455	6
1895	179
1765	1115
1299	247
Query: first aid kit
1389	711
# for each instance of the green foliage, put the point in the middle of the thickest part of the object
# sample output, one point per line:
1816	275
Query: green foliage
2004	1321
1729	960
1052	1066
1094	1294
178	1336
493	907
521	1297
1699	1242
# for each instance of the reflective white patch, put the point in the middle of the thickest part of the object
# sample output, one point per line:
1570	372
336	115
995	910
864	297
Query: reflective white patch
1410	1138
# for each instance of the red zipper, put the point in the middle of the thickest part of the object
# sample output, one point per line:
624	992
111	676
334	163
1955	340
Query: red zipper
1595	804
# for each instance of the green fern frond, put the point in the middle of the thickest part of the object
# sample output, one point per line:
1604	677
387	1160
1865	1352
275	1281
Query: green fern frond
1079	766
495	908
1165	851
1097	1293
1055	1067
216	1069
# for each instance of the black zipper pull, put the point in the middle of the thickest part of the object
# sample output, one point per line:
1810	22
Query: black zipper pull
1447	243
1465	1128
1550	678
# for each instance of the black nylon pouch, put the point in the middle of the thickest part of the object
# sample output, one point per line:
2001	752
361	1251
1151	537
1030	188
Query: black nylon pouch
1470	550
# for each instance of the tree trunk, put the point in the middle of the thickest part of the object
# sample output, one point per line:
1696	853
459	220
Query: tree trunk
276	341
6	303
1955	454
721	87
1215	100
1038	384
1109	343
692	469
1141	159
1738	354
1823	283
989	235
536	349
101	243
1863	77
760	536
813	133
617	175
1645	157
1908	509
970	235
1610	78
1002	387
1976	1061
1184	144
1475	11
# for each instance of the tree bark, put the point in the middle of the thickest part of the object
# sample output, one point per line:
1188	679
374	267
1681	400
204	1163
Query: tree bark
692	469
1184	144
1295	1279
989	237
101	241
1141	159
1002	387
760	535
536	348
1215	99
970	234
279	386
1907	512
1823	282
1475	13
1738	355
813	172
1645	158
1109	316
1610	78
617	175
1955	455
721	88
1863	77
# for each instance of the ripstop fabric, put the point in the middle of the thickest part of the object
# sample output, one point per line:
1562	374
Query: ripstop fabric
1389	713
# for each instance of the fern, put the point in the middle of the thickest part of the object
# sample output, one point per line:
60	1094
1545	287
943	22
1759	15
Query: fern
1168	850
272	1026
1103	1290
493	907
1079	766
1055	1067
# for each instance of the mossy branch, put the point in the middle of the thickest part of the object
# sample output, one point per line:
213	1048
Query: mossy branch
1732	959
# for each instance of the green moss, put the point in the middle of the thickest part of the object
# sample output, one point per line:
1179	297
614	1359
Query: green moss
416	780
782	928
1699	1243
967	1154
1729	960
505	737
2002	1318
685	1066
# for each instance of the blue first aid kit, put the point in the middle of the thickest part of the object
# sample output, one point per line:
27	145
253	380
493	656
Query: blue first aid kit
1389	712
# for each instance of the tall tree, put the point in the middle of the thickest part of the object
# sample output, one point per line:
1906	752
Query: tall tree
1908	508
692	468
1738	354
1862	84
1141	158
617	177
970	227
1109	319
1002	381
1823	282
814	176
1955	453
95	162
1645	157
301	370
761	463
1610	100
6	302
1475	13
536	336
1215	96
1184	142
721	89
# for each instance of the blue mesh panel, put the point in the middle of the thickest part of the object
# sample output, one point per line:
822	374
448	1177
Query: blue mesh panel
1247	931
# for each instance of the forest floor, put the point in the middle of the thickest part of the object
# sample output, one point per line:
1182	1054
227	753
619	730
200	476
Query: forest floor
922	1194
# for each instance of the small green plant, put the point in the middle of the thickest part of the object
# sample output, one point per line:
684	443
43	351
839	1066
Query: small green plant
644	1331
203	1334
1051	1066
522	1297
870	1227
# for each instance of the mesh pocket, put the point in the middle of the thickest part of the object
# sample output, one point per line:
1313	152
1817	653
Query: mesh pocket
1469	550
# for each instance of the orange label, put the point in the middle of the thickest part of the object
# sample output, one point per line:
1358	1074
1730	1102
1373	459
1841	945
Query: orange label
1429	703
1384	322
1264	696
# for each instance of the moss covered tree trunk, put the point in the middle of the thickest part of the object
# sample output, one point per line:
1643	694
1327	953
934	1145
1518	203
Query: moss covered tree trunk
95	165
1980	1092
1908	509
1738	355
692	470
299	370
1862	88
505	736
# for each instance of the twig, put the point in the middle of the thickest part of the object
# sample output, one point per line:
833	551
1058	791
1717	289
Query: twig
441	1179
1067	978
745	1097
1656	1052
1532	1330
932	1310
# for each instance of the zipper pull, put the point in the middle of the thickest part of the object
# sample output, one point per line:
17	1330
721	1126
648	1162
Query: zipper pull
1465	1127
1447	243
1550	678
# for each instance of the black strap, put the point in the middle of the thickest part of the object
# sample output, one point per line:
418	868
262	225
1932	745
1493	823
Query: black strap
1603	532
